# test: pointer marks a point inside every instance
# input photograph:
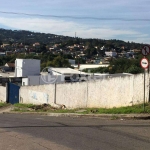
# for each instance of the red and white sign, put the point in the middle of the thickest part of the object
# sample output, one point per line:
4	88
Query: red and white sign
146	50
144	63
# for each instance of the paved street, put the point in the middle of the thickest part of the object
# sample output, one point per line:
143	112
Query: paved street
35	132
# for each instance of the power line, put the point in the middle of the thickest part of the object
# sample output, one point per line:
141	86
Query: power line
76	17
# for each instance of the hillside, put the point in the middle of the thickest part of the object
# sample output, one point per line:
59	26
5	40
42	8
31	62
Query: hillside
28	38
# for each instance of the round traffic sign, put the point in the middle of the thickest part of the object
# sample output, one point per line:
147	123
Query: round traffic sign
145	50
144	63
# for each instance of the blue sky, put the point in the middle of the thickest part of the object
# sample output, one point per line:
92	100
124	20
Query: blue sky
133	30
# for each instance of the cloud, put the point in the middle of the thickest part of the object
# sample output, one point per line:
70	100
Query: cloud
68	28
137	31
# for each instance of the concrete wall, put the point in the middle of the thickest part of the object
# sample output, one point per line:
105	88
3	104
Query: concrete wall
138	90
72	95
2	94
105	93
117	92
37	94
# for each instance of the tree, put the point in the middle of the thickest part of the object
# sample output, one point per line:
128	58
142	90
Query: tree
90	52
43	48
1	43
134	70
125	65
59	61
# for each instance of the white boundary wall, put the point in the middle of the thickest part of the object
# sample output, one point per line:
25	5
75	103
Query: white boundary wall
104	93
37	94
2	94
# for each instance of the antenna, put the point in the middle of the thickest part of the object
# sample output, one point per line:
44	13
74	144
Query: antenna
75	34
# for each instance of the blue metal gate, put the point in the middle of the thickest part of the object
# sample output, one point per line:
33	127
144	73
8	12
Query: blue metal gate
13	93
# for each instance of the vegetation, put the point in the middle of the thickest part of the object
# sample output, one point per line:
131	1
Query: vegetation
54	50
120	65
46	59
48	108
4	105
121	110
28	37
39	108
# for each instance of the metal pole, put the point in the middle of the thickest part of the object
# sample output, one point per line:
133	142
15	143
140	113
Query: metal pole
144	92
55	95
148	85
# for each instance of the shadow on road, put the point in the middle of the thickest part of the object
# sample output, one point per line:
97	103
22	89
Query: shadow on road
74	126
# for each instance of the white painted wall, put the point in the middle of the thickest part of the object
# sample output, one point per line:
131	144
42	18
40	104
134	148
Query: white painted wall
72	95
138	91
104	93
2	94
114	92
37	94
27	67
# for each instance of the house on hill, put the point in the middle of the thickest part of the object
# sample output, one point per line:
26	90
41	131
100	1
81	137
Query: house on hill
8	67
11	66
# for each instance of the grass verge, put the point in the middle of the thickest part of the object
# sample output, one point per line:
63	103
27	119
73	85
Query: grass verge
4	105
121	110
47	108
40	108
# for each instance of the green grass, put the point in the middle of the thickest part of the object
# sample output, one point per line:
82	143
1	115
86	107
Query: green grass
121	110
23	105
48	108
39	108
4	105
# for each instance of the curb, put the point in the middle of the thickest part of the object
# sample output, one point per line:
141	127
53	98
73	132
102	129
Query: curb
102	116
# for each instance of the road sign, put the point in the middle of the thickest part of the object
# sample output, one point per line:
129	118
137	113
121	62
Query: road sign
144	63
146	50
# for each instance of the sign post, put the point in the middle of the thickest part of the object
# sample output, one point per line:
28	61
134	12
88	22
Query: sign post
146	50
144	65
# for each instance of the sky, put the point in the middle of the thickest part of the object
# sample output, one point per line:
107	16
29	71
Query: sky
127	20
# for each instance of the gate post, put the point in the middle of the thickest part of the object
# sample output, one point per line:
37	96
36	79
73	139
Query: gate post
7	92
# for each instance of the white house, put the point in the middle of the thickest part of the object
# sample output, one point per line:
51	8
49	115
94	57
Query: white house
111	54
2	53
71	61
91	66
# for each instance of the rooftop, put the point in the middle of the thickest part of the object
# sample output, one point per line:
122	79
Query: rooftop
10	65
66	71
7	74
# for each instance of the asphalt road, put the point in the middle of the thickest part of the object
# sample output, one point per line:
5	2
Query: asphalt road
29	132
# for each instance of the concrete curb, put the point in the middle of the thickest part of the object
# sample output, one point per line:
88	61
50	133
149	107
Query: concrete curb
102	116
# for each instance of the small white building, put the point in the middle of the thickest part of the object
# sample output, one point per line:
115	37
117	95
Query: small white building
71	61
42	79
111	54
27	67
91	66
2	53
67	73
